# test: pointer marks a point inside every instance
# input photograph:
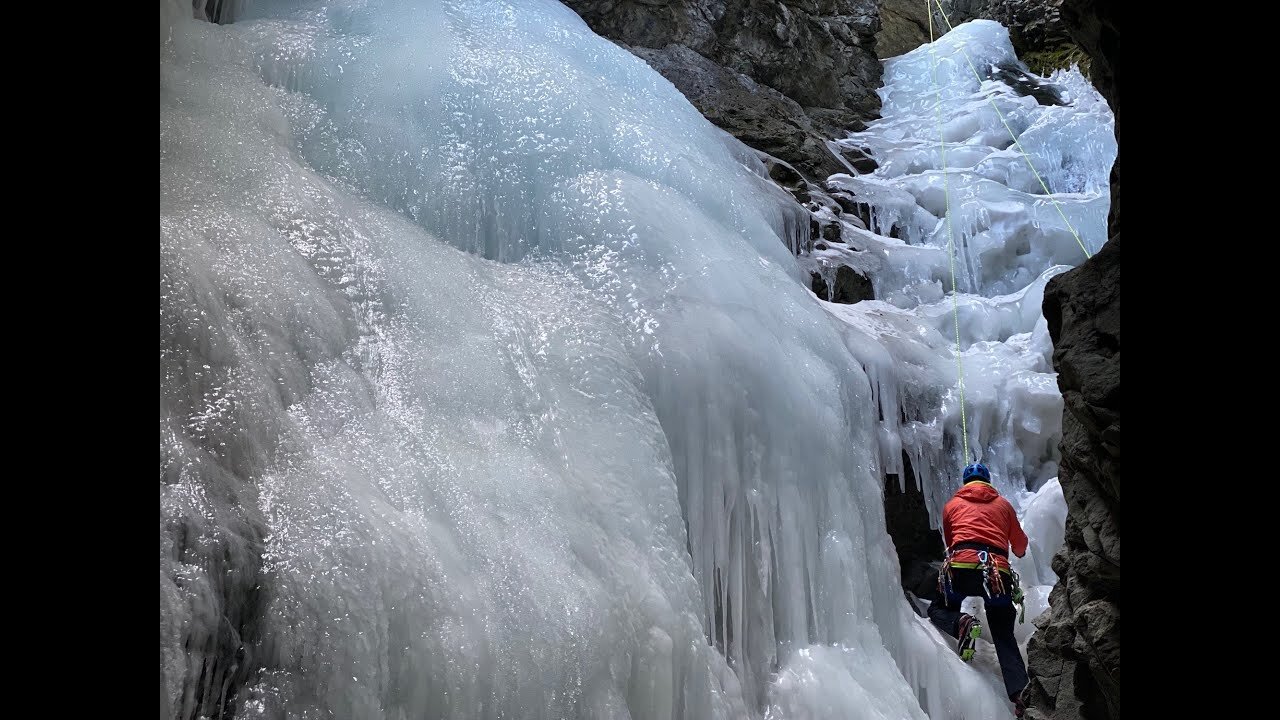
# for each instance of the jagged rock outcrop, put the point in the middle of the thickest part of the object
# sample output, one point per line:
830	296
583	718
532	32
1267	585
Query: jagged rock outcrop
1036	27
904	26
1074	657
784	77
756	114
1032	24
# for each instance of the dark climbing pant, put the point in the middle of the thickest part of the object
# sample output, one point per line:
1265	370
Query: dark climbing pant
945	614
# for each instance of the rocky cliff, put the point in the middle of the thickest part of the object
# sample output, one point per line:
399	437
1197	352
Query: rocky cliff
784	77
1074	657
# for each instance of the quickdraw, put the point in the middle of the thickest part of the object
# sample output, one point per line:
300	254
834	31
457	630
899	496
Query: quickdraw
992	583
944	576
1018	597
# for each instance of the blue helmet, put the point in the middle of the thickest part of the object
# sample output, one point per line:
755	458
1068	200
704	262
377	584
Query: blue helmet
977	471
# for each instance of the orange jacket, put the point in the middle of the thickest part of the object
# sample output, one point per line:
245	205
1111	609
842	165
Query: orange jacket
977	513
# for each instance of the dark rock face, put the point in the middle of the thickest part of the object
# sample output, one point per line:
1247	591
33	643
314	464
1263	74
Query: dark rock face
849	287
758	115
818	52
783	77
1032	23
1026	84
1074	657
904	26
859	160
919	547
1075	654
1037	28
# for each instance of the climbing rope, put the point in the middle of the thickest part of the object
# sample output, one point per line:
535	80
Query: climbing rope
946	188
999	114
946	191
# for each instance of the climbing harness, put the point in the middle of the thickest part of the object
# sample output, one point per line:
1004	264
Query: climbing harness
993	583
